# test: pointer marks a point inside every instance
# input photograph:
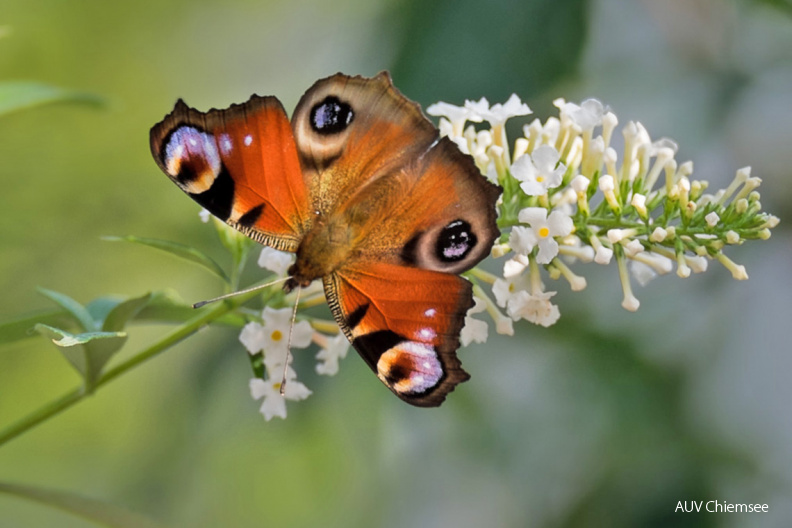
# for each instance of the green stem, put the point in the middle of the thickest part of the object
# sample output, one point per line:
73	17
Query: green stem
76	395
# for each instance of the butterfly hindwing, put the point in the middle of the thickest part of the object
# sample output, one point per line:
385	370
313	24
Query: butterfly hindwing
241	164
405	324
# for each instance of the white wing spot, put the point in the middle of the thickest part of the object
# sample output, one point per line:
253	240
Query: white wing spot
430	312
225	144
248	140
427	333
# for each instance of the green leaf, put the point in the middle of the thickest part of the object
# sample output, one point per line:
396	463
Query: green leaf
91	509
88	352
117	319
18	95
174	248
101	307
21	327
76	309
163	307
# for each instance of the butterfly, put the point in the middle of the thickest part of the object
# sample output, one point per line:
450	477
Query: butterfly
360	185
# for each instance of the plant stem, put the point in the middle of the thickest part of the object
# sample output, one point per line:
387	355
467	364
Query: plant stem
76	395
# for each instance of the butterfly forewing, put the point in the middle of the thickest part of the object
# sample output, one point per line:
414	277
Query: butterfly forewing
353	130
241	164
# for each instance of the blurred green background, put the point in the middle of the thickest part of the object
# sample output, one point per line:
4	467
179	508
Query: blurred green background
607	419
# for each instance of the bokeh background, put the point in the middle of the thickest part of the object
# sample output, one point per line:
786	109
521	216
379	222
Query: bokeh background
607	419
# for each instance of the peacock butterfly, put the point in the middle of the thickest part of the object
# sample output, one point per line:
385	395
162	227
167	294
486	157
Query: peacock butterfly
373	202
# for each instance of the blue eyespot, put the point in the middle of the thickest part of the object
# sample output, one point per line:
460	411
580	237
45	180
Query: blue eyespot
455	241
331	116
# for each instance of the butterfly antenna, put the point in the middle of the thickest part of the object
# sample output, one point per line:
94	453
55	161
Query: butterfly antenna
240	292
288	343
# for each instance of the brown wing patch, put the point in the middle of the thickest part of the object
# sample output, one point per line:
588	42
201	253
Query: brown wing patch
377	131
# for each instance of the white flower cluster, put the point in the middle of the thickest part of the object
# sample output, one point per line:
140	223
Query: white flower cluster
270	338
568	193
568	197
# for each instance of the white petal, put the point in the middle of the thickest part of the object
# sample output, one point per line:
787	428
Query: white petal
606	183
452	112
301	335
253	337
329	367
580	183
642	272
534	216
548	249
273	318
275	261
275	357
555	178
545	158
258	388
273	405
533	188
603	255
523	169
501	290
589	114
504	326
559	224
522	240
515	266
479	305
296	391
474	331
515	107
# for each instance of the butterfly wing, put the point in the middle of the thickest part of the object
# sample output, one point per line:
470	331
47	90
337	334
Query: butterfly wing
241	164
351	131
405	323
416	212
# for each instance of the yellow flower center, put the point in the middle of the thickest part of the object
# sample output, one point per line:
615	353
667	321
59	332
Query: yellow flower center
277	335
543	232
540	179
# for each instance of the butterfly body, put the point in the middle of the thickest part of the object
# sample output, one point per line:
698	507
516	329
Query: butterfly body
360	186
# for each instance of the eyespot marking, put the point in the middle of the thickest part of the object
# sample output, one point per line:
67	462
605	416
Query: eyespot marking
410	367
455	241
191	159
331	116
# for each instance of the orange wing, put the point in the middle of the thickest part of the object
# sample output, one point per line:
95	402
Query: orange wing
351	131
241	164
405	323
